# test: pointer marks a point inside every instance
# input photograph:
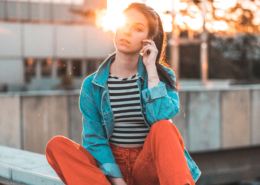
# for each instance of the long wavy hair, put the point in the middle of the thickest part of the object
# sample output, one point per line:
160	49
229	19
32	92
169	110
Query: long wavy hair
160	39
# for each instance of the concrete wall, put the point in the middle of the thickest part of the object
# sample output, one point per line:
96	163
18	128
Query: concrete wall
10	121
48	40
210	119
38	40
43	118
11	71
42	10
10	40
19	41
218	118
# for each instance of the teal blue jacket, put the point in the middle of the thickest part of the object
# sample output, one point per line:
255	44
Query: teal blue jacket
157	103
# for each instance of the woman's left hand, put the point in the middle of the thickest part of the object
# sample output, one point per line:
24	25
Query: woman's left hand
149	59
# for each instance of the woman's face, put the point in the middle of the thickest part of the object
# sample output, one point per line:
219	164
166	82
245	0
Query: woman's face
134	30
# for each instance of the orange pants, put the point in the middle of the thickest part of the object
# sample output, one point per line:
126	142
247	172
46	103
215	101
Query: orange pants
160	160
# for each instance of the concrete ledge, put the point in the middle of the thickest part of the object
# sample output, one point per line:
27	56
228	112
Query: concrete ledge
4	181
26	167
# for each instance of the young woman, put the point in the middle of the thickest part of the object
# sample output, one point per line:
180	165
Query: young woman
127	105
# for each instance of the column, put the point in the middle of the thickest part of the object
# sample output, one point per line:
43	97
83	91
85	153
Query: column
204	48
69	67
175	37
38	68
84	68
54	68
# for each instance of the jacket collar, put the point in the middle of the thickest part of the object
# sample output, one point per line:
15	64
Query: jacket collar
102	73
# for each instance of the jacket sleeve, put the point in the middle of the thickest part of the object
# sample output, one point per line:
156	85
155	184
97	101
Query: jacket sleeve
93	137
162	102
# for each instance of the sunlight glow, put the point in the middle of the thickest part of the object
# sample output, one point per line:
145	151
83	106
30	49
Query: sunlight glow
224	4
111	18
72	2
221	15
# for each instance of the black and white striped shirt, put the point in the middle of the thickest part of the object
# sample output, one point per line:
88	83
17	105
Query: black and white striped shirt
130	127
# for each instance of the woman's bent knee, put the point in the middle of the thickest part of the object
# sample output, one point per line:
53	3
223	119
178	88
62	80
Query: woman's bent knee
166	127
162	124
54	143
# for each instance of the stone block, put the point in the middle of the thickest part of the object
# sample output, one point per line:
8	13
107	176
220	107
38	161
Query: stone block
10	125
235	113
5	171
21	158
255	117
27	167
180	120
75	125
204	121
46	170
44	117
30	177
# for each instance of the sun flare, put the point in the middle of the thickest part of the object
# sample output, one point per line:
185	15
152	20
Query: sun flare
221	15
111	18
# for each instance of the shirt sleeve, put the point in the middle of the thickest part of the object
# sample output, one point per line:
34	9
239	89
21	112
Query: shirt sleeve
94	139
162	102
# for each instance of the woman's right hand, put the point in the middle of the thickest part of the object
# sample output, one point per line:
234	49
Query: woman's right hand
116	180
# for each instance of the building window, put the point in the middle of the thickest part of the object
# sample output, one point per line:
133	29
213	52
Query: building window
46	67
76	64
93	65
62	67
29	69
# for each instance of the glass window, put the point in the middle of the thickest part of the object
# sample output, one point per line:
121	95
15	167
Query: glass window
46	67
93	65
29	69
61	67
77	68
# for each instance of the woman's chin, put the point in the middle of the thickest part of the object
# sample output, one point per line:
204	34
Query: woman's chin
125	50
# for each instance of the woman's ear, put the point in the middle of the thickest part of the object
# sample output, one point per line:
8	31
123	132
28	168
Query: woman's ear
151	38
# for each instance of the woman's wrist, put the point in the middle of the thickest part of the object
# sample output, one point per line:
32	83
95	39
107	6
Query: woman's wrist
116	180
152	72
151	69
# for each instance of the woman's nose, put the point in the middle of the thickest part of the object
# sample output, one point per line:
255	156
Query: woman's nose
127	30
127	33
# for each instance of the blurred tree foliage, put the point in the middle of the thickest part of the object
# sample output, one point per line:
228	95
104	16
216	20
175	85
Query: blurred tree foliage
229	58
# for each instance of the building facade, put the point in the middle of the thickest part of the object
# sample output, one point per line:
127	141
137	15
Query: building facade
45	44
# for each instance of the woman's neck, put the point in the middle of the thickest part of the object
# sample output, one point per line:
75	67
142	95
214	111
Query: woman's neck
124	65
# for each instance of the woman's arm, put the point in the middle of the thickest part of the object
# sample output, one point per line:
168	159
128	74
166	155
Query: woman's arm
116	180
152	72
93	135
161	101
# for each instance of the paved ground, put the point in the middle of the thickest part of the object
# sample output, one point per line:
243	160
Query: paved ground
27	167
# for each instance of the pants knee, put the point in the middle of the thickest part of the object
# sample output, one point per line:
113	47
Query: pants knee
166	127
162	125
54	143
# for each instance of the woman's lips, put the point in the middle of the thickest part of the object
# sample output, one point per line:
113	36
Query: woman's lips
125	41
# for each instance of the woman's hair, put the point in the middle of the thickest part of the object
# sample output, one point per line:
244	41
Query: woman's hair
160	39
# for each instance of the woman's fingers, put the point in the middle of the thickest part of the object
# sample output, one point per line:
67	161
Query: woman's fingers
151	48
147	41
145	48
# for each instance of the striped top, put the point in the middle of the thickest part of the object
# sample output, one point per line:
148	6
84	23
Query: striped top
130	127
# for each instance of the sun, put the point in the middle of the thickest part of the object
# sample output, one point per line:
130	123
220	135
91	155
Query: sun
111	18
